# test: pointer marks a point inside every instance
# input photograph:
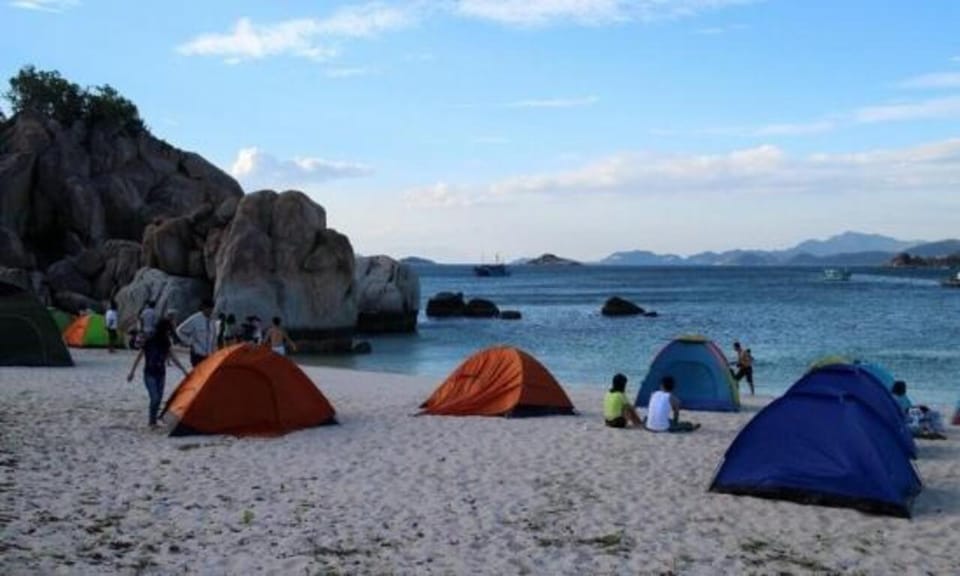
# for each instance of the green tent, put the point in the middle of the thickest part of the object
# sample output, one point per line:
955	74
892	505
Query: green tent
62	318
28	334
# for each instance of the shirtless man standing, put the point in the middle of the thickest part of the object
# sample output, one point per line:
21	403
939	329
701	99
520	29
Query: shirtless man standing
276	337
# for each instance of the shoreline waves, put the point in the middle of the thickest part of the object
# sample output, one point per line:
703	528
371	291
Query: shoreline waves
86	488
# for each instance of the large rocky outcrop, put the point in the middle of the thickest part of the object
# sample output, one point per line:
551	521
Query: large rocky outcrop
177	294
278	258
67	190
388	295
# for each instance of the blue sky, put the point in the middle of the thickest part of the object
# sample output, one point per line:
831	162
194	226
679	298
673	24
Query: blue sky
460	129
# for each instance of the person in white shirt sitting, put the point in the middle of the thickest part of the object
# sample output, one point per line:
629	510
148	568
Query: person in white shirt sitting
664	404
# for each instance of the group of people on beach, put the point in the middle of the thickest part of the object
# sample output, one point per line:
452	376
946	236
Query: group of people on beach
202	335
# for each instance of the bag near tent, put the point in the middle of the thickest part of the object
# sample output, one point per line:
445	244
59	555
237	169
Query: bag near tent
246	390
499	381
28	334
701	372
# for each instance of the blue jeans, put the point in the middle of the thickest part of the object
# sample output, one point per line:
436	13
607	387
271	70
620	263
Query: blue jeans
154	384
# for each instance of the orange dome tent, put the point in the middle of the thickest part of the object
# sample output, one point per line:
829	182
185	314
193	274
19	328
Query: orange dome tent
500	381
247	390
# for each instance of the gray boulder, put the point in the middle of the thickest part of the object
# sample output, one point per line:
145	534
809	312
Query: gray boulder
178	294
388	295
278	258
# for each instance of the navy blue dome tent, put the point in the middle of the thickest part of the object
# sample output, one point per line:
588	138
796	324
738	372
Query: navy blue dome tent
823	445
860	381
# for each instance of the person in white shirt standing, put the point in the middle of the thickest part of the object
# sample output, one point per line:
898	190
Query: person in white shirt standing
110	319
199	334
664	404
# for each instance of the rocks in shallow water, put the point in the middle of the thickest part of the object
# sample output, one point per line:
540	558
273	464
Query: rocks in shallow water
617	306
481	308
388	295
445	305
510	315
362	347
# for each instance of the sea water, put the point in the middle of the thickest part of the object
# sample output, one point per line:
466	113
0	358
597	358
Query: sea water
788	317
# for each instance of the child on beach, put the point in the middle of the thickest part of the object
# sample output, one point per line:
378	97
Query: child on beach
662	403
156	351
617	410
276	337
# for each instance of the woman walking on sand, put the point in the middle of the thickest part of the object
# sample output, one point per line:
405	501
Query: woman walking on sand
156	351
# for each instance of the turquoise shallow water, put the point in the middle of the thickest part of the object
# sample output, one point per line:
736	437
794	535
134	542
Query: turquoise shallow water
789	317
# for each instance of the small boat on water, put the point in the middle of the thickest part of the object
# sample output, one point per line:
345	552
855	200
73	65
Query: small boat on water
952	282
836	274
491	270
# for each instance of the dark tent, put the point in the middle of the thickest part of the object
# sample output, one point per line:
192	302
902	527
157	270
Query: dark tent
819	448
858	380
28	334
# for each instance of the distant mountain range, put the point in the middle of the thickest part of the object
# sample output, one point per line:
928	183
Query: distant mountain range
846	249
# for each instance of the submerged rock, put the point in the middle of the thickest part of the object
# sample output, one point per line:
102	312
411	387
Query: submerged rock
446	305
481	308
617	306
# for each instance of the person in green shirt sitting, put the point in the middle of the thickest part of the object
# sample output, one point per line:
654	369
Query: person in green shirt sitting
617	410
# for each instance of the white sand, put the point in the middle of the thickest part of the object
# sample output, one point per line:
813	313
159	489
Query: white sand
86	488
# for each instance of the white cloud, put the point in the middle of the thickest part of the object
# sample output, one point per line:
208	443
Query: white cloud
44	5
937	80
795	129
533	13
348	72
311	38
555	102
767	169
256	169
924	110
439	195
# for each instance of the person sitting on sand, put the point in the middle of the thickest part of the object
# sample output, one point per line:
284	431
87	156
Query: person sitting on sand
899	392
156	352
922	421
276	337
662	403
617	410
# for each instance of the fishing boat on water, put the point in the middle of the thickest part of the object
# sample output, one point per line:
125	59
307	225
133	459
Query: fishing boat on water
836	274
951	282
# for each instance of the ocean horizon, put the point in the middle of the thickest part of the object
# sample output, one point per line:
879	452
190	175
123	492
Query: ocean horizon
789	317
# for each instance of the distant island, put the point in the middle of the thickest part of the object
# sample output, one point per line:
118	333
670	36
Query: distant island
416	260
907	260
846	249
551	260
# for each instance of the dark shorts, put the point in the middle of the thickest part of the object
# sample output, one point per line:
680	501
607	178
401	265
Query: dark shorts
620	422
744	373
196	358
112	334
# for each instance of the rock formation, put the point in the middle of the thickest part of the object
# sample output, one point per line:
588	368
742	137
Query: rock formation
177	294
446	305
388	295
75	199
278	258
617	306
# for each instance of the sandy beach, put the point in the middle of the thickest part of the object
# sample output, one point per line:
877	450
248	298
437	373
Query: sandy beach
87	488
